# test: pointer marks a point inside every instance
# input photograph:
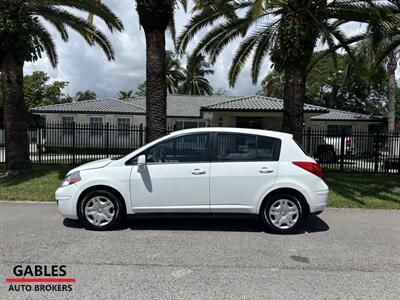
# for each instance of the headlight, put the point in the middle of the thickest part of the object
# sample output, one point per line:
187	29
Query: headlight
71	178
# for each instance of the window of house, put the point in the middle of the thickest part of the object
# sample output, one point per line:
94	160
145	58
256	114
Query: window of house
67	124
188	148
244	147
189	124
96	125
124	125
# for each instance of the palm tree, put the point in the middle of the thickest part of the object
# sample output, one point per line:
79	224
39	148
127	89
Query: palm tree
155	17
195	82
173	72
125	94
286	30
85	95
382	44
24	37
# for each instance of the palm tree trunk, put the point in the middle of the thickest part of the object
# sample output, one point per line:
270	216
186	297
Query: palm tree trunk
156	87
294	93
15	115
391	69
154	17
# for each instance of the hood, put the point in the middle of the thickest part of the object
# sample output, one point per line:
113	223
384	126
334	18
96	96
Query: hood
97	164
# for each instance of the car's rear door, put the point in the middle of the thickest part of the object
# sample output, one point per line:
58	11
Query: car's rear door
244	166
176	177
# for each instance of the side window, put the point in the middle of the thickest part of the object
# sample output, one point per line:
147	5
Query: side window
188	148
267	148
244	147
236	147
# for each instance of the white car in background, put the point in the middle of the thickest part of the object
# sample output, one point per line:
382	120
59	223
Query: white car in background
206	170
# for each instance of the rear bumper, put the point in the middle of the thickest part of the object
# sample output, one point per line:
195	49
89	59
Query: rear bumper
319	201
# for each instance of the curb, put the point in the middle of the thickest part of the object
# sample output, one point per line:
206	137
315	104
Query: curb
28	201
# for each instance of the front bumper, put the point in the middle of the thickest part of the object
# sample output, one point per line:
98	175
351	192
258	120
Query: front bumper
66	201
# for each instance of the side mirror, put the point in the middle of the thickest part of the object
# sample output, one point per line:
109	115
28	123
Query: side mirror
141	163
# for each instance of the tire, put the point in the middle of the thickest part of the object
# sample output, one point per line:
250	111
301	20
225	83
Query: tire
101	210
282	213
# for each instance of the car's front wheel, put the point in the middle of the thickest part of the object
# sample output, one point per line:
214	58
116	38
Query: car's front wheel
282	213
100	210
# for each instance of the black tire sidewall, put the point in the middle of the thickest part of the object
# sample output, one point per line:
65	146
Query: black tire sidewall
264	216
118	210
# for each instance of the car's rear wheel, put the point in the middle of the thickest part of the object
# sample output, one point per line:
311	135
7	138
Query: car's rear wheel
282	213
100	210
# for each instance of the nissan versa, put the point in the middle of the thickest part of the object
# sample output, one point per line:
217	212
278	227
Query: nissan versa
207	170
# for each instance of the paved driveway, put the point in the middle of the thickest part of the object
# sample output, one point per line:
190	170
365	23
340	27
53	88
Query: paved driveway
352	254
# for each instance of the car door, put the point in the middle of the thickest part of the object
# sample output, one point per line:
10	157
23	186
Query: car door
176	176
244	167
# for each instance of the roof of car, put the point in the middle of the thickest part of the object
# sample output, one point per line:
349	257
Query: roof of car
269	133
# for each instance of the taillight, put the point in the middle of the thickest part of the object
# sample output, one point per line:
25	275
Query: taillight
311	167
348	143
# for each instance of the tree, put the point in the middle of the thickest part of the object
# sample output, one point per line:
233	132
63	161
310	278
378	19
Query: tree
286	30
221	92
38	91
391	69
346	84
125	94
155	17
141	89
85	95
173	72
24	37
194	82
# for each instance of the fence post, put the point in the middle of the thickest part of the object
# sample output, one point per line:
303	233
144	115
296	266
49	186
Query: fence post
39	145
376	152
342	145
309	141
396	138
140	135
108	139
73	143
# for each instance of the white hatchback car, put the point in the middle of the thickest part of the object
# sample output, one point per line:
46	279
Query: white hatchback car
207	170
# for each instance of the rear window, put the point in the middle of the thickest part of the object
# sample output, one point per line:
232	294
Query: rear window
246	147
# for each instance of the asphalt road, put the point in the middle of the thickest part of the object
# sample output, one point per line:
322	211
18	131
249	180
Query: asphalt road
343	254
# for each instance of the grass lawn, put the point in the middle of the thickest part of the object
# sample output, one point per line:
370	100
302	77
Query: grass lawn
36	185
363	190
346	190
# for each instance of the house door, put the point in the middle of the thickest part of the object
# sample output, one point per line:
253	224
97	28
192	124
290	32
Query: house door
249	122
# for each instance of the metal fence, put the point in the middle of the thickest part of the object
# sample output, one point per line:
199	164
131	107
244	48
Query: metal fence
58	144
355	151
340	151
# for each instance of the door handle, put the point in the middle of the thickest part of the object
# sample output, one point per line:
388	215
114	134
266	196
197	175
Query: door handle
266	170
198	171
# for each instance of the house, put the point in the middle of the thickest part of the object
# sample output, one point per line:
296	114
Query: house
185	111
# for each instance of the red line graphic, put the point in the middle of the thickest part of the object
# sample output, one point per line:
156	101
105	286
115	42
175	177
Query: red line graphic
32	280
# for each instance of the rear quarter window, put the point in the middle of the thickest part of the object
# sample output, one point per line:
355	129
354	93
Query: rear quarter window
247	147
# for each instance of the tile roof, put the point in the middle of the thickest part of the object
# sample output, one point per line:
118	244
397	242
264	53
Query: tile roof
258	103
340	115
106	105
186	106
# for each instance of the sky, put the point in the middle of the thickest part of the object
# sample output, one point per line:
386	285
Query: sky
87	68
